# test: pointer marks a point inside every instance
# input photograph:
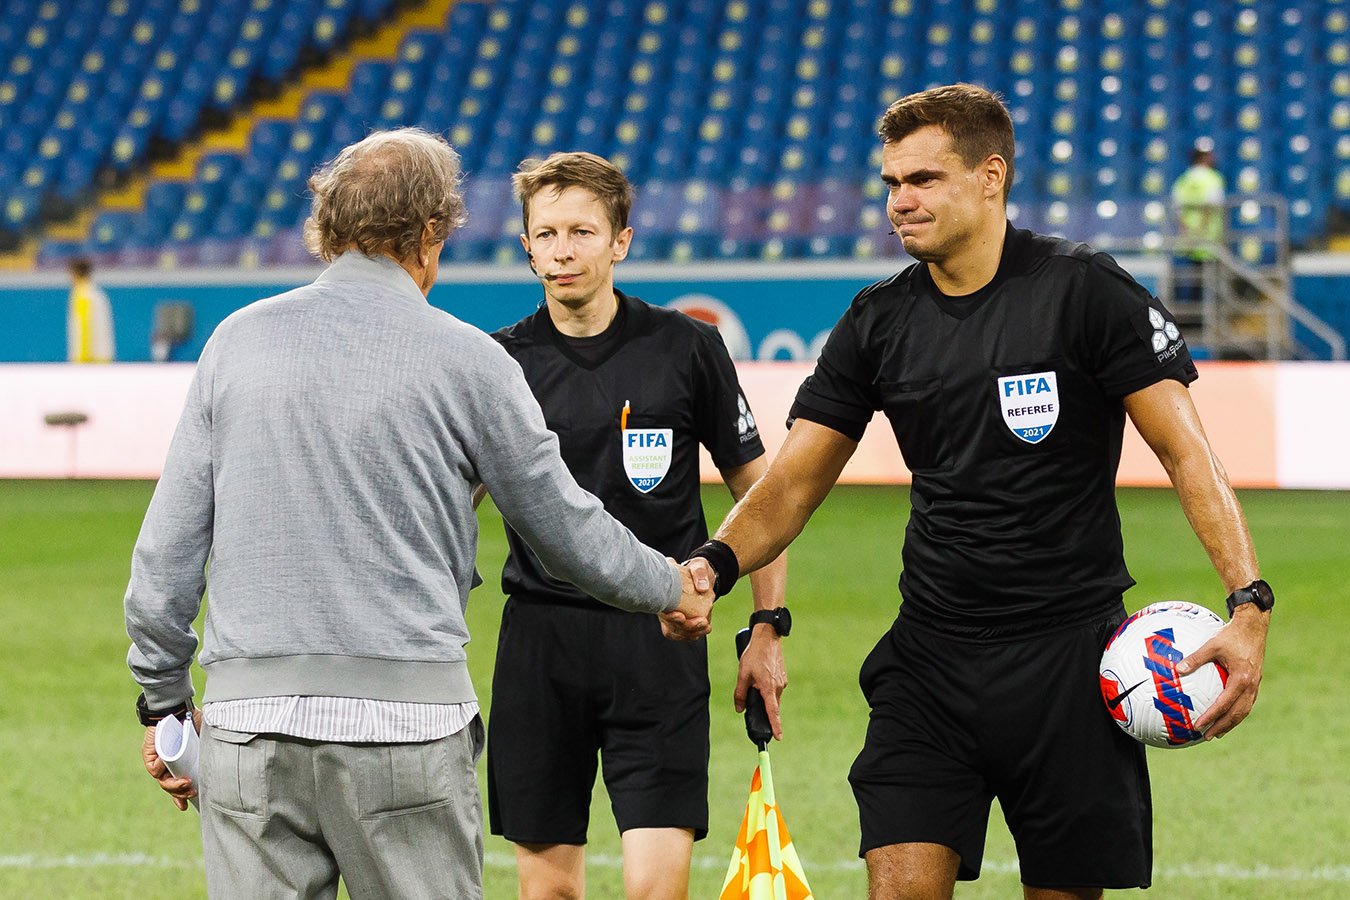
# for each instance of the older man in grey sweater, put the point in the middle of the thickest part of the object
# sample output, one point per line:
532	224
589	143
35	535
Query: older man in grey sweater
320	482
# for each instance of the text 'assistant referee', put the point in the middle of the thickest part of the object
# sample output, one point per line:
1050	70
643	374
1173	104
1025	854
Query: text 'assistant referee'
646	452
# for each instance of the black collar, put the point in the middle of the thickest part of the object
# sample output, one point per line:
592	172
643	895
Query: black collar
615	335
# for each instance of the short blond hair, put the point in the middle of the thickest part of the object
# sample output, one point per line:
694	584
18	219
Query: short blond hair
379	194
560	171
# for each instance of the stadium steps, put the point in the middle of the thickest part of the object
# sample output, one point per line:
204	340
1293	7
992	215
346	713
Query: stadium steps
25	258
22	260
74	230
234	137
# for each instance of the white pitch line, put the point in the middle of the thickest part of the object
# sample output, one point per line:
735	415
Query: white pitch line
1211	871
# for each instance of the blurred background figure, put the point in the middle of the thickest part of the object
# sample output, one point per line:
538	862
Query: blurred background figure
165	137
1198	196
89	326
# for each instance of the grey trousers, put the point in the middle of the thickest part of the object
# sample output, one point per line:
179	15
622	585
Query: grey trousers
284	817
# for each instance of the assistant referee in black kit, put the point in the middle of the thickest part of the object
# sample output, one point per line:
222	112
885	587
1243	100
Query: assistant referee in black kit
631	390
1006	362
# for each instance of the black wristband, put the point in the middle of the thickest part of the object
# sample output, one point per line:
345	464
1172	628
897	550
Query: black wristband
150	716
725	566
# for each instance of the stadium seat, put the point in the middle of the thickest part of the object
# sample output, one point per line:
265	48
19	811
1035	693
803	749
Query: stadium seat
737	96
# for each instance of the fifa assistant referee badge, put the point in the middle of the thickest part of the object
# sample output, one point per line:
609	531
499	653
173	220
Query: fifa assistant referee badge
726	568
150	716
779	618
1258	593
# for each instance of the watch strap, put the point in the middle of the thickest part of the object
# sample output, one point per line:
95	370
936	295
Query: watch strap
150	716
1258	593
779	618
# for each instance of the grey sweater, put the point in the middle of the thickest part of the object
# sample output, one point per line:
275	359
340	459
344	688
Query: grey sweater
323	468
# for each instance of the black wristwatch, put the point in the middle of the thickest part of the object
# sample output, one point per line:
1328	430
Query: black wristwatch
779	618
1257	593
150	716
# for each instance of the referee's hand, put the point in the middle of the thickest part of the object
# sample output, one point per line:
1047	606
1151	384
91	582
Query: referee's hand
692	619
762	668
1240	647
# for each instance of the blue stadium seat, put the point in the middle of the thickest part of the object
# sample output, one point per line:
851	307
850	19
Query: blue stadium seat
331	23
110	232
736	96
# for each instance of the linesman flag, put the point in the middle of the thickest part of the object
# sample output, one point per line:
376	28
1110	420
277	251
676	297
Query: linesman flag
764	865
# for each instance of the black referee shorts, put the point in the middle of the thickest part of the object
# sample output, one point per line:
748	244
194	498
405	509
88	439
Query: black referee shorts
955	723
573	681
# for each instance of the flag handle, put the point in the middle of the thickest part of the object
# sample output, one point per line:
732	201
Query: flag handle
756	716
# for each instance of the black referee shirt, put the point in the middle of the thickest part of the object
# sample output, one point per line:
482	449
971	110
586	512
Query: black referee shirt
1007	408
680	386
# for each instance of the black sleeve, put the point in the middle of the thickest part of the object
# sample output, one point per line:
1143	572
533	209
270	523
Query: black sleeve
504	337
1132	340
722	417
841	393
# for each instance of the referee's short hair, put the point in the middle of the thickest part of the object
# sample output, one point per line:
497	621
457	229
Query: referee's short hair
976	119
379	194
560	171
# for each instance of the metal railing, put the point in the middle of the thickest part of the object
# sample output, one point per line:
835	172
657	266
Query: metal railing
1238	291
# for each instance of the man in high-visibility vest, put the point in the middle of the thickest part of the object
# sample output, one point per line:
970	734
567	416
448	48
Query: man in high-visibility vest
89	327
1198	196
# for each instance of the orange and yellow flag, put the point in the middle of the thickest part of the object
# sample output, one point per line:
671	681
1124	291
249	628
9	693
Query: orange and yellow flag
764	865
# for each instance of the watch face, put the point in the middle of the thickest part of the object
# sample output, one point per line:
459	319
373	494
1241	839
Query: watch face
1258	594
1264	596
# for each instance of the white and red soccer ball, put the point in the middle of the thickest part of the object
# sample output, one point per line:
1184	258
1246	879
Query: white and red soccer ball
1139	680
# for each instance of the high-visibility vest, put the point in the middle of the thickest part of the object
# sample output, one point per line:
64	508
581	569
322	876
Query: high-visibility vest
89	330
1198	195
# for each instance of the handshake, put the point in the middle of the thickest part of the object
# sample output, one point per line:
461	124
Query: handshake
692	619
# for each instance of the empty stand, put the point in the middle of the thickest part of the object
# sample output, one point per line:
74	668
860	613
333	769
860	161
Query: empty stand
748	125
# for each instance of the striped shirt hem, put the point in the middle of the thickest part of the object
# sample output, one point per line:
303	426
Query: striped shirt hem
342	719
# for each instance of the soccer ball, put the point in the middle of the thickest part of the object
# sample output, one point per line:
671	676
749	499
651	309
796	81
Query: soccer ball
1139	681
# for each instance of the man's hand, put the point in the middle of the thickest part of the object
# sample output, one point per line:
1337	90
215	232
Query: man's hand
692	619
762	668
1240	647
179	789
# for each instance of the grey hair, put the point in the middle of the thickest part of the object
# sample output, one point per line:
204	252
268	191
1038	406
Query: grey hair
380	193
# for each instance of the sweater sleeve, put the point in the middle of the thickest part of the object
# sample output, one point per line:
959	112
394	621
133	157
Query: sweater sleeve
518	460
168	564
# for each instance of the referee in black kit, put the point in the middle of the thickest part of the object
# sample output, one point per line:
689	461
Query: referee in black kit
1006	362
631	390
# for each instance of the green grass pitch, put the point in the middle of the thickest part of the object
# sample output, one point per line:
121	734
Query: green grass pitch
1264	813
